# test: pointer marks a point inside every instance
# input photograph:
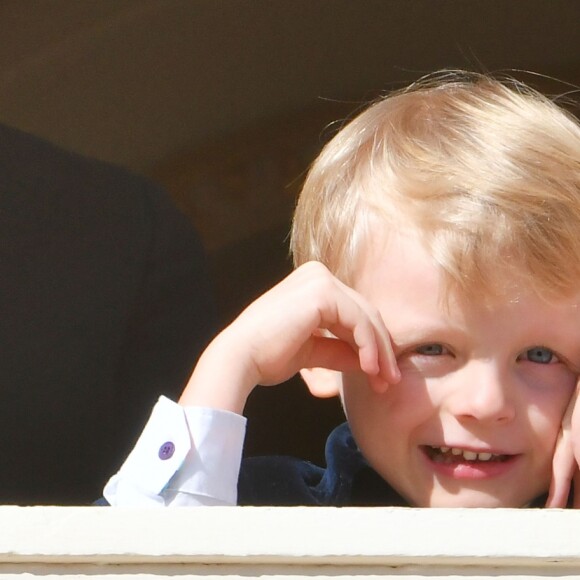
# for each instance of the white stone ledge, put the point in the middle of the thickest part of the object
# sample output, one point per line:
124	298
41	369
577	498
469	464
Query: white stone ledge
288	542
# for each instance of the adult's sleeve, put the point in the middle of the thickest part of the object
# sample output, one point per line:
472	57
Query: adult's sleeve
173	315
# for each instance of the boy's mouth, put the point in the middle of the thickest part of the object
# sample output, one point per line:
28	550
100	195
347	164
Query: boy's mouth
450	455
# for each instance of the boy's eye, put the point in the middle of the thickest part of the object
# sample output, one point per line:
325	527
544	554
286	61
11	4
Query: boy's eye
540	355
431	350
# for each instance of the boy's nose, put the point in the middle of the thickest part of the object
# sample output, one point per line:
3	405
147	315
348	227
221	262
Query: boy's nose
481	393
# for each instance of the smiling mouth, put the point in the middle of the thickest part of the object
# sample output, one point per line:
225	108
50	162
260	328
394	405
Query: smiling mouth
451	455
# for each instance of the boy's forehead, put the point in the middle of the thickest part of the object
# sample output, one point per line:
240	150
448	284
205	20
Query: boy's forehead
399	263
391	260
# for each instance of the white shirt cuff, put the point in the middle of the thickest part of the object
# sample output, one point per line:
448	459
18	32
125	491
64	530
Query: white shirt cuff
193	451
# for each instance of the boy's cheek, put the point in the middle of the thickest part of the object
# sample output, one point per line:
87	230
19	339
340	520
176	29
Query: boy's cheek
545	414
358	397
407	401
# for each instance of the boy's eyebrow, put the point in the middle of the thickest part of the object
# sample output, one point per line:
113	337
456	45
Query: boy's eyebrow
427	332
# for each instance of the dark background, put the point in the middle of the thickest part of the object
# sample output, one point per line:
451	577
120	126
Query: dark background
226	102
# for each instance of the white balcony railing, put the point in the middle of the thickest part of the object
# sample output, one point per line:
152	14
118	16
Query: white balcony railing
288	543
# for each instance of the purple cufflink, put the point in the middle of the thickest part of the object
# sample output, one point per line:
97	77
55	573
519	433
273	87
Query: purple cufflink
166	451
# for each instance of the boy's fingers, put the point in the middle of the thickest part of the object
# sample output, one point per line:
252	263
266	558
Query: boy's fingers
563	466
335	354
363	328
375	354
332	353
388	362
388	369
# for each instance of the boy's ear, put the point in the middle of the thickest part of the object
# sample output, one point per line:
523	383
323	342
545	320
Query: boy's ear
322	383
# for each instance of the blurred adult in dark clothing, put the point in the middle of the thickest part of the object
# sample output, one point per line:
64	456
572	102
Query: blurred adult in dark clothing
105	304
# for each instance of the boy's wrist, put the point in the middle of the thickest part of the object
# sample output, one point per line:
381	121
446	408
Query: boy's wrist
223	377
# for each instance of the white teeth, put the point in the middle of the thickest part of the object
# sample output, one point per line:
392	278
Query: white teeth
467	455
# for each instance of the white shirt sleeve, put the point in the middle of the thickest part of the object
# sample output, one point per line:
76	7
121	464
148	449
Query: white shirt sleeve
185	456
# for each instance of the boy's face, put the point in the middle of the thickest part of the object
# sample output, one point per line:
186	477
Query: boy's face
475	417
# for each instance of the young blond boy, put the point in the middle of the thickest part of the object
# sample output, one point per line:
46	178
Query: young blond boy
436	291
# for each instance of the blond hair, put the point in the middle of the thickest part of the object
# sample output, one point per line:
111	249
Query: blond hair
486	171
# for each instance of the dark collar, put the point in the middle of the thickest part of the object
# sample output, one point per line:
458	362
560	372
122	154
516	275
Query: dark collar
348	480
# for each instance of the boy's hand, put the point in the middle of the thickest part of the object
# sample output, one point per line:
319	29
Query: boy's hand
566	462
283	332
